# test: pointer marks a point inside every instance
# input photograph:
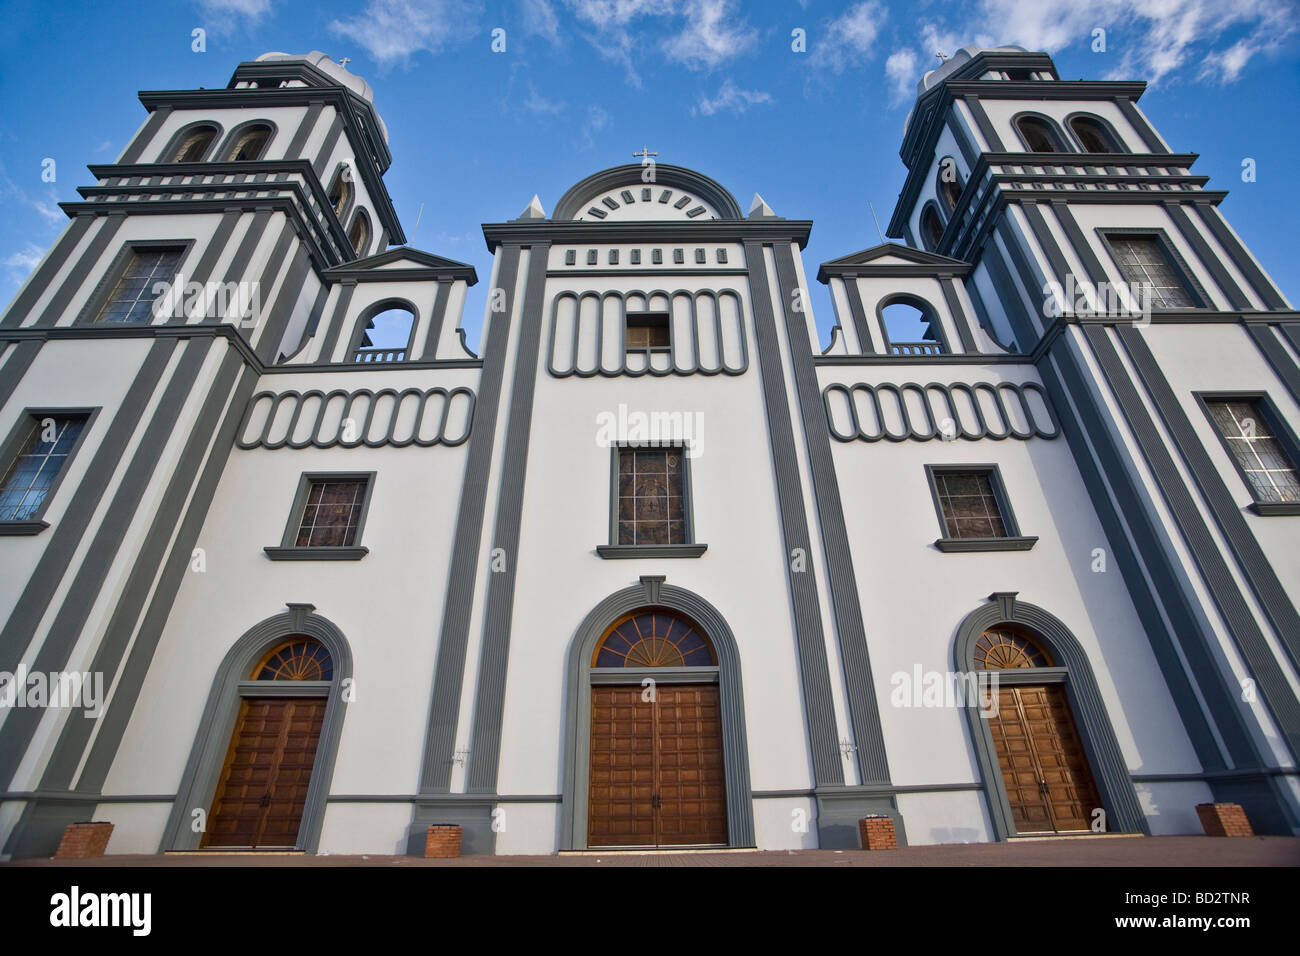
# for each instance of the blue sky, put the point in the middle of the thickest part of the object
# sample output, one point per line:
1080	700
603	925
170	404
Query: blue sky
710	84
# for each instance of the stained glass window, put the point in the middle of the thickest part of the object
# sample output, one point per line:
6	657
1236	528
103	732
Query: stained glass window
299	658
1002	649
332	514
654	638
651	501
1145	263
970	505
133	298
1268	468
41	456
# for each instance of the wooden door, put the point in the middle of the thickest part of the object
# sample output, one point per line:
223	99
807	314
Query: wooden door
263	786
1044	767
656	773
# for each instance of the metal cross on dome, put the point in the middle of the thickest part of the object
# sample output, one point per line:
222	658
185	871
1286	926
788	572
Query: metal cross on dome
643	155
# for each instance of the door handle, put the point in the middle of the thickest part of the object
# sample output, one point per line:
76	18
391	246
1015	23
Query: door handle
266	800
655	802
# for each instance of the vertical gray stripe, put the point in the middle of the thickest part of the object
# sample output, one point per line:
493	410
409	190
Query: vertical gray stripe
449	673
1245	264
1091	263
1139	122
810	641
44	275
969	152
858	314
958	313
437	319
864	712
327	147
20	358
982	121
1029	277
308	124
146	135
336	322
208	261
274	262
1236	297
238	268
90	260
290	291
154	558
485	746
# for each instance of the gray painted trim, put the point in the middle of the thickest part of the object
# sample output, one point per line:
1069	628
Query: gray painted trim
86	265
334	329
294	522
489	701
167	152
437	319
449	671
579	195
13	444
1030	321
103	551
1277	356
20	528
211	253
232	139
1176	260
147	132
968	149
1281	431
652	592
18	359
272	334
1211	262
1053	128
316	553
810	640
982	122
1123	810
922	305
110	276
958	313
962	545
613	549
858	315
327	145
203	769
389	438
1139	122
45	273
360	323
1241	258
1107	129
237	271
651	550
984	428
274	263
305	128
1005	511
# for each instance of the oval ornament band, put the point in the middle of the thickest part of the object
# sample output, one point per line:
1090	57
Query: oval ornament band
387	417
915	412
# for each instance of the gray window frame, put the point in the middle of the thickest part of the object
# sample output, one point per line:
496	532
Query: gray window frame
232	140
359	329
288	550
1282	433
689	548
1063	142
1107	128
1179	264
13	442
927	310
647	350
90	312
1013	540
184	133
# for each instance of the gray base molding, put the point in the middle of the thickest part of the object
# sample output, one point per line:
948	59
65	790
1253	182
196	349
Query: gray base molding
41	826
840	808
1019	543
471	812
651	550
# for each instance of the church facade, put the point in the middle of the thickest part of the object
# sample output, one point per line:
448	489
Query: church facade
1012	555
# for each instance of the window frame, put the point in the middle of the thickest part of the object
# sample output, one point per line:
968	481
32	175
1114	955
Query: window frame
1108	132
1281	433
1176	261
940	183
360	218
14	441
289	550
98	299
931	204
648	350
179	137
350	192
928	312
232	140
1013	540
690	548
1063	144
367	315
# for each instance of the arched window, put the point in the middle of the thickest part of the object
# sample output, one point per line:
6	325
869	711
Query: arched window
1002	648
299	658
359	234
1039	135
340	194
194	145
931	228
910	327
654	638
1093	135
948	183
385	335
250	144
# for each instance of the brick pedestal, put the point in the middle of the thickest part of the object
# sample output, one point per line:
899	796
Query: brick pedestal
443	842
1224	819
877	833
81	841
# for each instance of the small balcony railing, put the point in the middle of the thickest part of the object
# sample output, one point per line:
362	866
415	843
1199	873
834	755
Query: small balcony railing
915	348
373	355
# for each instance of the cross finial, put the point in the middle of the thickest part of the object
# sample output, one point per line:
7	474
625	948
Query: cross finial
644	154
345	61
942	56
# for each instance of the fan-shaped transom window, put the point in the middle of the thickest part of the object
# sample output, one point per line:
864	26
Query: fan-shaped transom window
195	145
299	658
1039	135
654	638
251	143
1001	648
1093	135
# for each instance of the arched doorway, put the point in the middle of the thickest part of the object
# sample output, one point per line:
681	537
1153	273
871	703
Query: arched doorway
656	769
655	747
262	791
1045	771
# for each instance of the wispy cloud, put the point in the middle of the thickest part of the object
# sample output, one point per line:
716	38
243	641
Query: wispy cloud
732	99
850	39
225	16
607	27
540	105
391	31
26	258
539	19
597	120
902	72
712	35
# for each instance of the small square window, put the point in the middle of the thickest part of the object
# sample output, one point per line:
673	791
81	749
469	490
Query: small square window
651	504
328	515
973	510
1262	450
133	298
39	452
648	331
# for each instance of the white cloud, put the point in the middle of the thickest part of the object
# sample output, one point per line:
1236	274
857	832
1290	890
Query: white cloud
597	120
540	20
608	23
850	39
26	258
902	72
252	10
712	35
540	105
732	99
392	30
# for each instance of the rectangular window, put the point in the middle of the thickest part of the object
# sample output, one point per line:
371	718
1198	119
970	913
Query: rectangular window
647	330
973	509
331	515
1145	260
43	448
132	299
1247	430
652	496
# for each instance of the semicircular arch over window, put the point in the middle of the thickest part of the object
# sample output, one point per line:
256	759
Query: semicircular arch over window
653	637
298	658
1002	648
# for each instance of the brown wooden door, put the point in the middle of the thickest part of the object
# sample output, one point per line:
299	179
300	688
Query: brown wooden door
1049	784
656	771
263	786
